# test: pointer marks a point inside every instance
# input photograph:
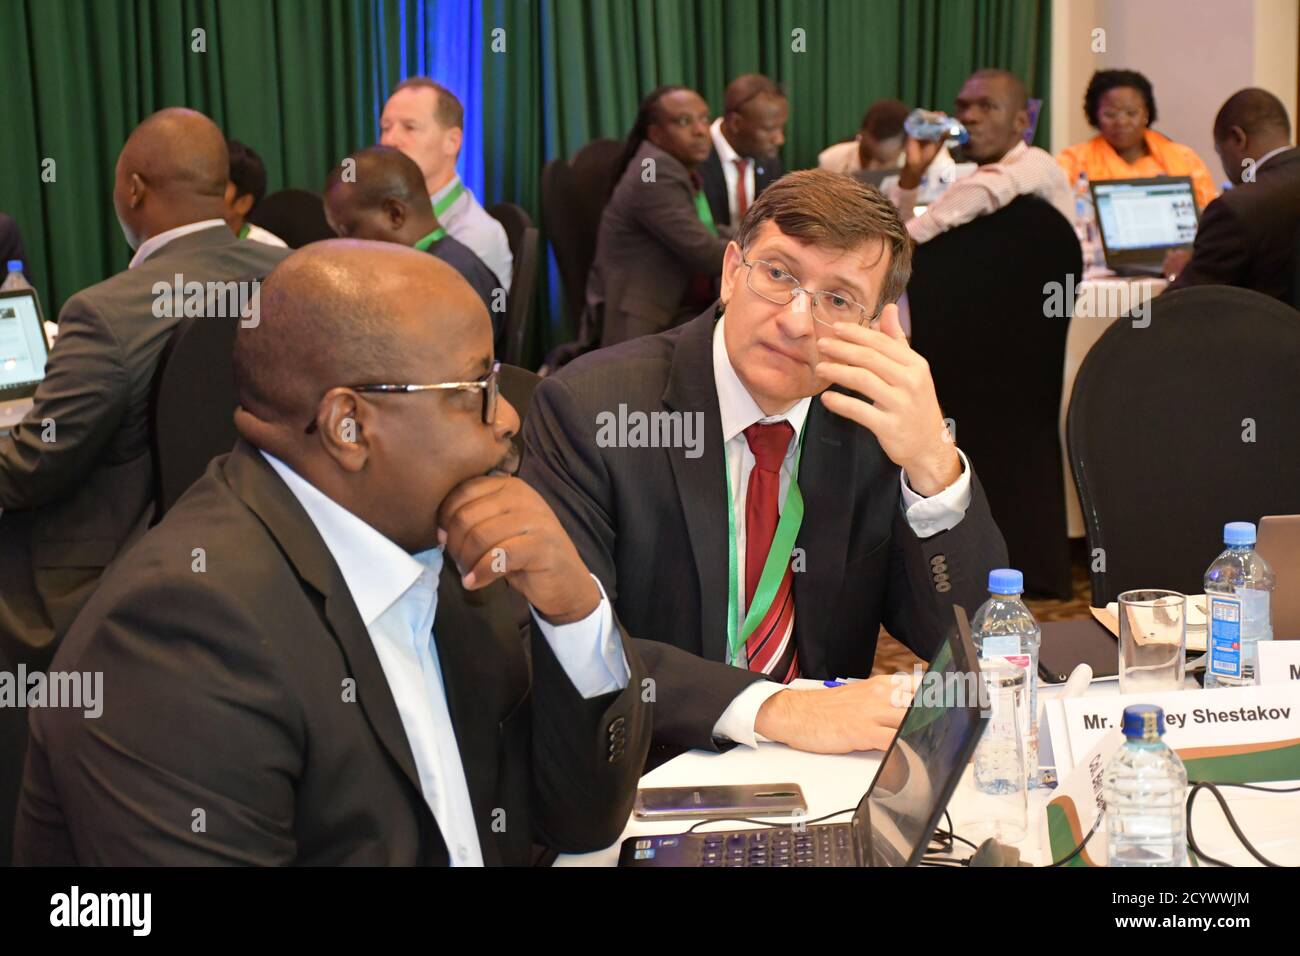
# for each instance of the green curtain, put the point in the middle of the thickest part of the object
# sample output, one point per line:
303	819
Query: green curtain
303	80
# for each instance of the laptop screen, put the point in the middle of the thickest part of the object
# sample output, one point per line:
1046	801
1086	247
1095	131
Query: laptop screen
1145	213
22	344
928	755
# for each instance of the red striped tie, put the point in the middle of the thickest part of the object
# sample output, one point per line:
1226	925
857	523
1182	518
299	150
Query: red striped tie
770	648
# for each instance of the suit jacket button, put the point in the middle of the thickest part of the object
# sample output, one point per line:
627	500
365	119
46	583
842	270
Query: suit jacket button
943	587
940	577
616	724
937	560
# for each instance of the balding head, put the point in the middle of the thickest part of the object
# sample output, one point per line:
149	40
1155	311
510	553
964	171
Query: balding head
378	193
173	170
1251	124
342	313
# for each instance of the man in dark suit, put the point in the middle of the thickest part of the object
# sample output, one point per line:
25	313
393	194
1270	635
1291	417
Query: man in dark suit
657	255
311	659
1248	236
382	198
747	139
76	480
672	462
11	243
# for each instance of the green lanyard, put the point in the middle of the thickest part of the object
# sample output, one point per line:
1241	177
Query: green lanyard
243	231
704	212
426	241
778	559
447	201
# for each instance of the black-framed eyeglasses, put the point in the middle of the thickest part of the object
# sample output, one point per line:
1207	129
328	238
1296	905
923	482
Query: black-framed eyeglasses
489	384
779	287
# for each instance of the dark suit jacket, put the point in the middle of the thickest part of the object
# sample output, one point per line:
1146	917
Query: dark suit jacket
715	184
651	523
480	278
226	691
11	244
650	244
1247	237
71	504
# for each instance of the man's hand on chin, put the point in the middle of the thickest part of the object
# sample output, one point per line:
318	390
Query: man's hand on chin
863	715
903	412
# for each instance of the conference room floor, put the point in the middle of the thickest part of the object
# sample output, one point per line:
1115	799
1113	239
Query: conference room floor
891	656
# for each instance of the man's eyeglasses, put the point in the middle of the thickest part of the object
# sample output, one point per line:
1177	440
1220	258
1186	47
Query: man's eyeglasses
488	385
779	287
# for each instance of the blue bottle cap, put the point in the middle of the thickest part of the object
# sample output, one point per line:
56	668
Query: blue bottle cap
14	265
1238	533
1006	581
1144	722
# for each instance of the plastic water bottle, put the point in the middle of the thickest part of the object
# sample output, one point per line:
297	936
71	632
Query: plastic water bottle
1145	789
1238	590
1004	628
1085	223
15	278
931	126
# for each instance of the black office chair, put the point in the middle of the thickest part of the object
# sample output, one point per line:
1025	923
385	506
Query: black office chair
523	237
192	405
1179	427
574	194
295	215
978	317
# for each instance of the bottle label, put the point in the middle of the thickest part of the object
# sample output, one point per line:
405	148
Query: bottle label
1224	614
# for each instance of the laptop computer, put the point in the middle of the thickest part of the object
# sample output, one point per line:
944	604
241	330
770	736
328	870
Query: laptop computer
896	817
22	354
1142	219
1279	545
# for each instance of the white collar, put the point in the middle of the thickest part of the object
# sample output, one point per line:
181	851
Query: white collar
737	406
1013	154
154	243
445	190
726	154
1270	154
376	570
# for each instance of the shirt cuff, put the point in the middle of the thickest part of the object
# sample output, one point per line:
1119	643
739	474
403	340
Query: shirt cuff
590	650
737	721
942	511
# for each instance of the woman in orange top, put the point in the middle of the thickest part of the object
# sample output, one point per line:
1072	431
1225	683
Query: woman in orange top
1120	105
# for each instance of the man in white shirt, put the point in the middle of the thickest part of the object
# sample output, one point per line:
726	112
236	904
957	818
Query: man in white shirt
426	121
878	144
314	655
738	500
993	106
747	140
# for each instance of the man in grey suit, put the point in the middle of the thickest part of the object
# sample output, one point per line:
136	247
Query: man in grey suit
657	256
76	475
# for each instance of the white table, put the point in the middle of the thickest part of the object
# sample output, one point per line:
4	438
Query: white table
837	782
1107	297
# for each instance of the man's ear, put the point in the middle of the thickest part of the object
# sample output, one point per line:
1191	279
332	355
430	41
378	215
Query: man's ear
243	205
395	212
1021	124
135	190
454	137
1236	138
732	263
344	427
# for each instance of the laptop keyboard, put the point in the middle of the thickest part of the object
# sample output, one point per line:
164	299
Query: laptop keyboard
824	845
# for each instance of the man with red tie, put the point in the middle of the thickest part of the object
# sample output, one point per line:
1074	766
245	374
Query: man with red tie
781	481
747	138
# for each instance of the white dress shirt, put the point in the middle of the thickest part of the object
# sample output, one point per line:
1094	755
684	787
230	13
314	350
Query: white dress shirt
1024	170
727	156
396	595
927	516
469	223
154	243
